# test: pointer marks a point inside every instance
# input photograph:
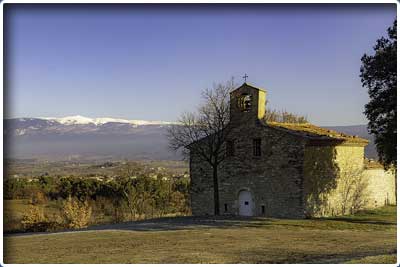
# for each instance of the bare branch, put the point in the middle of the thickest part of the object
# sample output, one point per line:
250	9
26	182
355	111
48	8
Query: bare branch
204	132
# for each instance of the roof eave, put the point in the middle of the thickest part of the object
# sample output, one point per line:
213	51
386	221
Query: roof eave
320	140
249	85
335	142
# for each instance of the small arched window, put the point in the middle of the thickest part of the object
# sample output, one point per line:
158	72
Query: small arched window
244	102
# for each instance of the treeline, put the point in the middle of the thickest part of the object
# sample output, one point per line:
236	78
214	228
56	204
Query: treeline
122	198
272	115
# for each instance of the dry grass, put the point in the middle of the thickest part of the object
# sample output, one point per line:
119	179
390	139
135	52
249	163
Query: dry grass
380	259
221	240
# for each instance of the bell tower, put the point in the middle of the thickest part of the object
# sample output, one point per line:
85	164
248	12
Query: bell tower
247	104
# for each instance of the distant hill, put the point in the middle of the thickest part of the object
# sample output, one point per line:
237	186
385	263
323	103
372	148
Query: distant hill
77	137
81	137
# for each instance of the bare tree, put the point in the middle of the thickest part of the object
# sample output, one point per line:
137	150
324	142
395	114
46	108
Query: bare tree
352	190
127	187
203	133
272	115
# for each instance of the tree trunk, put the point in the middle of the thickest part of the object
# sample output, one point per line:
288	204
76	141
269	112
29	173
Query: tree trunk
216	190
395	185
395	189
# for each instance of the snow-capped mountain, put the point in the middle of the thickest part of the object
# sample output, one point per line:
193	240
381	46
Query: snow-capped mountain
78	135
77	119
77	125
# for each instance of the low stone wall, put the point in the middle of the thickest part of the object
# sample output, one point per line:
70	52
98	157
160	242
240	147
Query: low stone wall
381	187
337	182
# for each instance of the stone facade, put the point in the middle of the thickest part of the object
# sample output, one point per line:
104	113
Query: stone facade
381	187
298	173
329	175
327	188
275	183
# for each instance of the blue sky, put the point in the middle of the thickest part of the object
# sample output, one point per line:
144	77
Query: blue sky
152	62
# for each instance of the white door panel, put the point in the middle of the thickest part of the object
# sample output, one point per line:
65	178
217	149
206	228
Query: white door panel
245	203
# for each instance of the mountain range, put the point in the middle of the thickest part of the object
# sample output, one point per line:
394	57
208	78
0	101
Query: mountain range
77	137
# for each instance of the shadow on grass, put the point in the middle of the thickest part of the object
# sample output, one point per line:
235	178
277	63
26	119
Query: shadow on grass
361	220
185	222
171	224
225	222
297	257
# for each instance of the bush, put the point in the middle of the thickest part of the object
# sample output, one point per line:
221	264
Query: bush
44	226
352	191
35	221
33	215
19	188
32	218
178	201
76	214
118	214
38	198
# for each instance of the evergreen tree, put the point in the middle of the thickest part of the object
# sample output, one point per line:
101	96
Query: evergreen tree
379	75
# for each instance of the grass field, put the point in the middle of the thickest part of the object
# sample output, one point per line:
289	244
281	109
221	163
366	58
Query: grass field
368	237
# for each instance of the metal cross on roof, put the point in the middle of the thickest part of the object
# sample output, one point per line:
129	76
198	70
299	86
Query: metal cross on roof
245	77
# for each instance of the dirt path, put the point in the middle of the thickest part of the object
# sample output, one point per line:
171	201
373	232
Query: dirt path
164	224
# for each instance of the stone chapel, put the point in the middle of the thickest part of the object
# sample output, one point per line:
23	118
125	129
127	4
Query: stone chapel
287	170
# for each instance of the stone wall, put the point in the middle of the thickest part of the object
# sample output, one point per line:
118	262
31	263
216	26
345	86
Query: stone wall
257	111
320	178
332	175
348	186
201	186
274	179
381	187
